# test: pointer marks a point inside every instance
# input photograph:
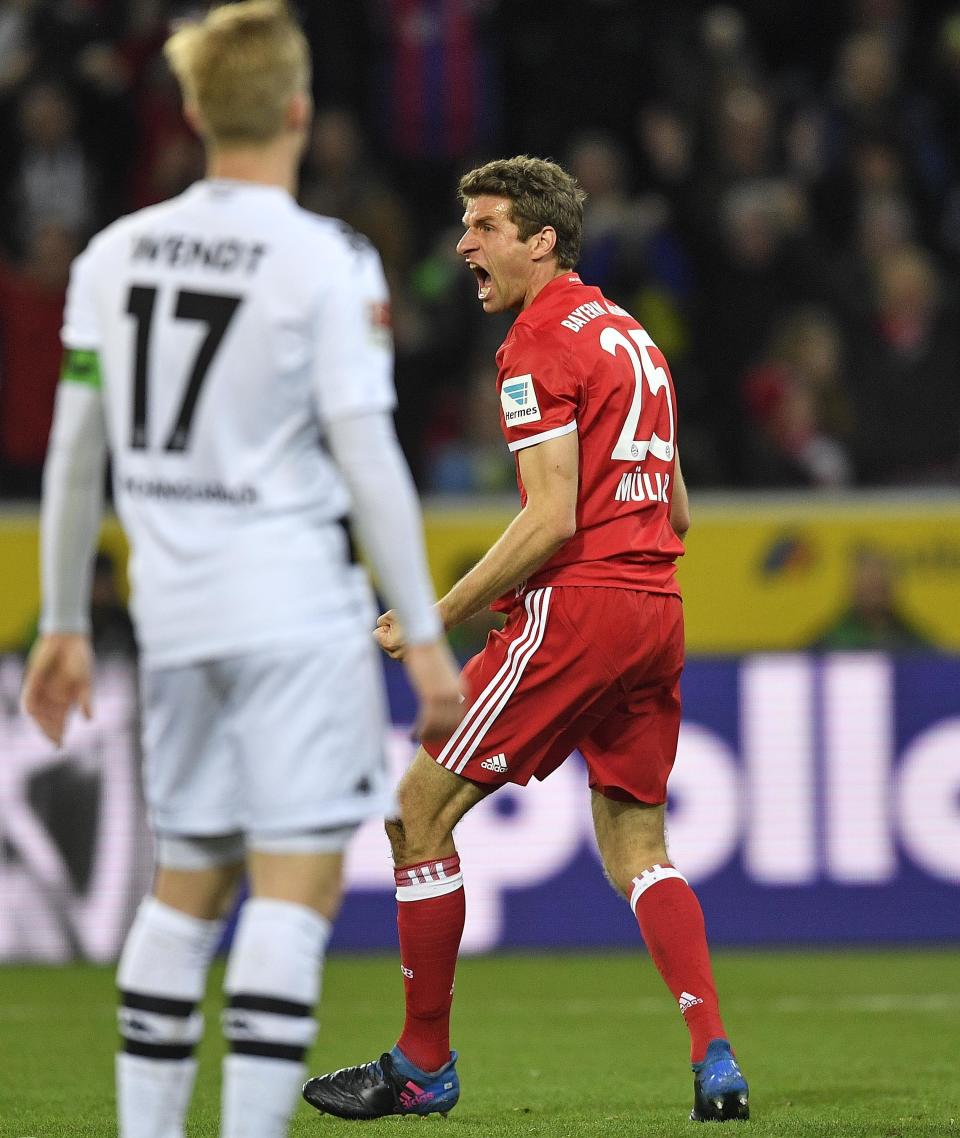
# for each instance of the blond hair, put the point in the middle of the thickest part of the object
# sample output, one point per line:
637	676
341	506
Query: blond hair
239	67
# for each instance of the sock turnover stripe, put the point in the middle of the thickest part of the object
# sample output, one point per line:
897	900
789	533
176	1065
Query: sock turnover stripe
650	877
158	1050
273	1004
264	1050
161	1005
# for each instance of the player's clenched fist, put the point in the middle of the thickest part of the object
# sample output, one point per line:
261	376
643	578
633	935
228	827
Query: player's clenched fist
433	673
389	635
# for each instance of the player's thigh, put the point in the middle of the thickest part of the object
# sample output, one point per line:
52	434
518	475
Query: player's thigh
204	893
431	801
313	879
630	837
309	726
191	775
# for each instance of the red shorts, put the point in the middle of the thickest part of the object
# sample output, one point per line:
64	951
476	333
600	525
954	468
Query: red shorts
593	669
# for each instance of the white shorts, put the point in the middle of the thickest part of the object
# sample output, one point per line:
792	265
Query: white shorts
275	743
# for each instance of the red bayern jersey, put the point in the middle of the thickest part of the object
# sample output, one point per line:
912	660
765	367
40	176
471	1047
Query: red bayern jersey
575	361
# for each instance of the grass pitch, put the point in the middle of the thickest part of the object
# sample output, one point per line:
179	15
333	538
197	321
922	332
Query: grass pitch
833	1043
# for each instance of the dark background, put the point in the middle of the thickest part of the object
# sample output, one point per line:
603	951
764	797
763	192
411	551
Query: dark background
774	192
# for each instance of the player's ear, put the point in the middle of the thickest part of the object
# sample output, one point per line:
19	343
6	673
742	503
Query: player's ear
191	112
543	243
299	112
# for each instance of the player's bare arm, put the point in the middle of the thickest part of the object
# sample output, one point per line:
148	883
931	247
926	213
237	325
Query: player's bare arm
680	504
550	474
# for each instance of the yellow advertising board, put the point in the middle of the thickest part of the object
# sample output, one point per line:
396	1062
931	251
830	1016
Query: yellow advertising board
775	572
759	573
20	572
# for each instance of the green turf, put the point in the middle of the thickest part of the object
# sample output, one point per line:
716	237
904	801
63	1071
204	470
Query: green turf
840	1043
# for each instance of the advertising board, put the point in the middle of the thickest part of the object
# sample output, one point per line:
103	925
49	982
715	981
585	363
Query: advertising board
815	800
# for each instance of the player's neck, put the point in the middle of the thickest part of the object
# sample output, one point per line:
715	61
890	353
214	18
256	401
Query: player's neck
541	277
272	165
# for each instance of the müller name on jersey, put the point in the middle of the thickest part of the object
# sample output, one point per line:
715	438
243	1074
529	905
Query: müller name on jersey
181	250
636	486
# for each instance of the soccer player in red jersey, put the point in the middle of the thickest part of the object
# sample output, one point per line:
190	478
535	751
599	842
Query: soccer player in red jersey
592	650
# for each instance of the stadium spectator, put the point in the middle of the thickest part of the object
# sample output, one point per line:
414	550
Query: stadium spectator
436	325
339	180
262	698
903	376
434	66
169	156
873	618
801	420
760	267
870	100
856	120
472	459
48	177
591	652
667	163
31	312
16	49
616	224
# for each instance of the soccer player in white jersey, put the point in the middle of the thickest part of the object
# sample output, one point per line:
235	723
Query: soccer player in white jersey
232	352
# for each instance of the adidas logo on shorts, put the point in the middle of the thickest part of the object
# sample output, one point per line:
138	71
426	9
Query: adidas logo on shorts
497	764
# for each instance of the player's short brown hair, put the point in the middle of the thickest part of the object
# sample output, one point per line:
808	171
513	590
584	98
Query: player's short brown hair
540	192
239	67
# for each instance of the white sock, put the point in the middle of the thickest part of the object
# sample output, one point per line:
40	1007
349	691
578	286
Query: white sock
153	1095
259	1096
272	984
161	977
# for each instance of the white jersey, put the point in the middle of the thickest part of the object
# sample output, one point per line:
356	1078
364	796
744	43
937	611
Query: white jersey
231	327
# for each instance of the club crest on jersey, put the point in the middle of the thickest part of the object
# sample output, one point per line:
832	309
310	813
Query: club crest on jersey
518	398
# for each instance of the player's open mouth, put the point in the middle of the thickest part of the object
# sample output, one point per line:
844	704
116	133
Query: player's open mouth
484	279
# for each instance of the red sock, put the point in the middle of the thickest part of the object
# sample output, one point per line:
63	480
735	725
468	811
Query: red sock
671	922
430	915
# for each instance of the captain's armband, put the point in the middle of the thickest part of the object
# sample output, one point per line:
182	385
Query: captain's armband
81	367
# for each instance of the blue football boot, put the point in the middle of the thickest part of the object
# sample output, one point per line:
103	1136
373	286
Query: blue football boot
388	1085
720	1092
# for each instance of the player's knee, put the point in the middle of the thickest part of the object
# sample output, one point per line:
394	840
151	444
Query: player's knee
198	875
420	838
301	867
396	835
199	853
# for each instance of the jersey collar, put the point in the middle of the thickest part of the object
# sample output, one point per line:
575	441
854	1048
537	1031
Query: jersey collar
229	187
551	288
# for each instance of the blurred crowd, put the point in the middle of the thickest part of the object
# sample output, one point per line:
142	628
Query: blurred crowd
774	191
